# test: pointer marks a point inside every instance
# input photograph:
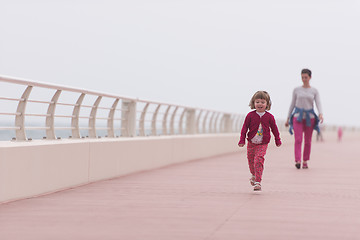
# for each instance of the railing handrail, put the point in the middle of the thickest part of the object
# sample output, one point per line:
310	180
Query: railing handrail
187	120
27	82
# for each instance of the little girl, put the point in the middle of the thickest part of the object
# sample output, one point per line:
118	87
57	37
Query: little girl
257	125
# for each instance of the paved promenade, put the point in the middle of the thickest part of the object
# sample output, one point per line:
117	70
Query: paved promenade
209	199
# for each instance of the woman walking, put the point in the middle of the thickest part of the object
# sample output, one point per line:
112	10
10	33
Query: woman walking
302	118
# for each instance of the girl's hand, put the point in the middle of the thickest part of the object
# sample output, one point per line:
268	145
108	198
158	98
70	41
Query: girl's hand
321	118
241	145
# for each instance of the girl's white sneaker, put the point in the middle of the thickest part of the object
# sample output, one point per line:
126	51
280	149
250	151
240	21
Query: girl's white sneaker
257	186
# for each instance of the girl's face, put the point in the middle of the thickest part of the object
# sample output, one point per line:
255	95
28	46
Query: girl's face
260	105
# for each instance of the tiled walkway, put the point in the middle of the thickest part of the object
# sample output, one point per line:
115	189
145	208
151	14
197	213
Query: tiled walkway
205	199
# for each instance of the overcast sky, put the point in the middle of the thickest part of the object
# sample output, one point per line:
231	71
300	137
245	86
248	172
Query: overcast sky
209	54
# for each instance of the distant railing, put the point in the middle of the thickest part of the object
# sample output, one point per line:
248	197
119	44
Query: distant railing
79	113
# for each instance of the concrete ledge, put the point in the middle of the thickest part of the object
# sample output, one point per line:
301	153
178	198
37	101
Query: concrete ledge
34	168
38	167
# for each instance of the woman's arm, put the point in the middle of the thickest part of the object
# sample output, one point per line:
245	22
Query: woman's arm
318	106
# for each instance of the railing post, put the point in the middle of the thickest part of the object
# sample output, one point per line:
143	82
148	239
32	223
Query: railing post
172	121
110	122
211	129
241	120
153	121
128	118
20	117
92	120
222	124
198	121
233	123
233	120
190	121
75	132
164	122
204	129
50	130
216	130
226	123
181	120
142	120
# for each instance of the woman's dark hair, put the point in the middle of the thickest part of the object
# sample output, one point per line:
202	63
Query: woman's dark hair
306	71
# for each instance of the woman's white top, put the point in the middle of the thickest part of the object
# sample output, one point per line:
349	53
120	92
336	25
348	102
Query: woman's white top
304	98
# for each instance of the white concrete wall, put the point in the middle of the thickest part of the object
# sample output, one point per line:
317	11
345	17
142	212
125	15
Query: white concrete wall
29	169
33	168
38	167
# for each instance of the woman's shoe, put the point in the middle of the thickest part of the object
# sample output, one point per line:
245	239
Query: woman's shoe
257	186
297	165
305	165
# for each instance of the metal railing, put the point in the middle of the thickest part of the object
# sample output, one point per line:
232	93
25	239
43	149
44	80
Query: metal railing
84	113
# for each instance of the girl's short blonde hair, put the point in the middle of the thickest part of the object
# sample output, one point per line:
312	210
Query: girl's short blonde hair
261	95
